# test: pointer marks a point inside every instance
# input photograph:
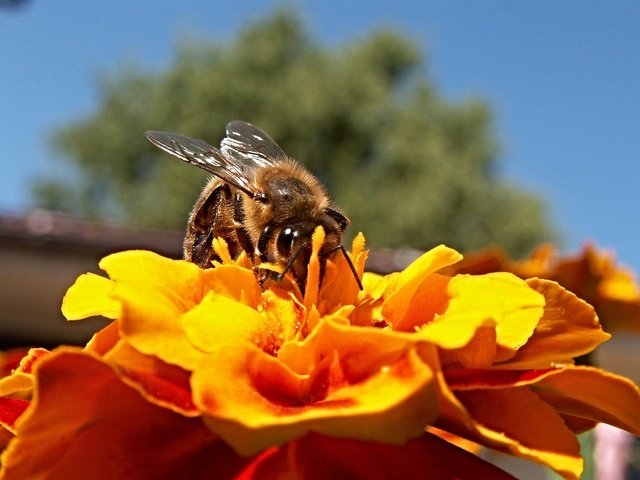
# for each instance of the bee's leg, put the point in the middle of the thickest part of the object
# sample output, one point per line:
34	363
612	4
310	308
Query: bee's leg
241	232
204	226
262	251
263	242
343	221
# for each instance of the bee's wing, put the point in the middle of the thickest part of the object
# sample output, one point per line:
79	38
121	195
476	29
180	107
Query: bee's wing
199	153
251	145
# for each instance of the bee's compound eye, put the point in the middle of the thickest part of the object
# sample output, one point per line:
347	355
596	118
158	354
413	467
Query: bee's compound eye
285	241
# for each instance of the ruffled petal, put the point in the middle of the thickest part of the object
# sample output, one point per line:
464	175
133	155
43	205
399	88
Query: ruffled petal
109	430
400	289
593	394
568	328
355	387
151	322
179	282
515	421
218	321
160	383
498	300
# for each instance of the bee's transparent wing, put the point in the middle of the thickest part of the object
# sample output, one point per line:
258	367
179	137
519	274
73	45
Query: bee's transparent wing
199	153
251	145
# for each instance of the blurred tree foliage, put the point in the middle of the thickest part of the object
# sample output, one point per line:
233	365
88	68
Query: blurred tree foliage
409	167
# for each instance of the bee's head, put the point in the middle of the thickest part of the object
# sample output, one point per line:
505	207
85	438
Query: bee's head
293	244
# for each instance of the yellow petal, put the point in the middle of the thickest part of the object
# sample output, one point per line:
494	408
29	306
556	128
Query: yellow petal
155	292
370	281
218	321
88	297
151	322
178	280
499	299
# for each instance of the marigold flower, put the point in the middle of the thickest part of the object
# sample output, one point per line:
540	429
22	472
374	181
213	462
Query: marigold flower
264	376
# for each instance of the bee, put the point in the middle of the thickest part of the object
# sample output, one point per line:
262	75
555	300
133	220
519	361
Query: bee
259	200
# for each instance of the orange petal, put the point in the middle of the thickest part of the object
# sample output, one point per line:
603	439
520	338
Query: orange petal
234	282
370	281
154	292
88	297
10	359
400	288
513	419
594	394
313	269
31	359
221	248
104	339
160	383
517	421
365	350
428	302
254	400
581	392
475	379
85	423
567	329
339	287
319	457
618	315
20	382
619	284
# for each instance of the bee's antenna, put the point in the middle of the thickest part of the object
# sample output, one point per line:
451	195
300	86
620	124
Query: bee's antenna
289	264
349	262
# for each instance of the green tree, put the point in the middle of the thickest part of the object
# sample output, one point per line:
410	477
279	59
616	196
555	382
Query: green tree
409	167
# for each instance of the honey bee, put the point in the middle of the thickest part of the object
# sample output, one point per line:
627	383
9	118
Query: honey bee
259	200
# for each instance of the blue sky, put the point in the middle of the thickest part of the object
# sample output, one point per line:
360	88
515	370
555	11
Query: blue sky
561	76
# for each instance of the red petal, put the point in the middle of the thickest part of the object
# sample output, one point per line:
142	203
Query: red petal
320	457
10	410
